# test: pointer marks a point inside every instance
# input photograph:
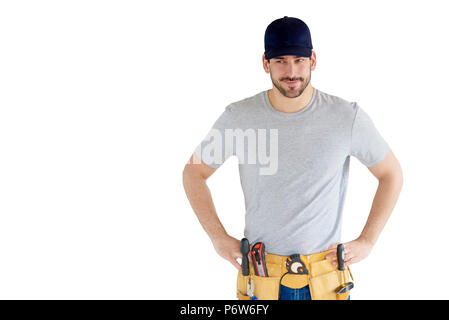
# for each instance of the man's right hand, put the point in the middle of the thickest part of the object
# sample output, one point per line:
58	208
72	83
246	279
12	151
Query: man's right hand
195	174
228	248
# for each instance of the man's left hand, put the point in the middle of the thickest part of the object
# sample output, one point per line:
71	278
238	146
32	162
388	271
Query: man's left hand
354	252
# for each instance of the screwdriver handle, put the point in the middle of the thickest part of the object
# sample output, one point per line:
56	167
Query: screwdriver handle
244	249
340	257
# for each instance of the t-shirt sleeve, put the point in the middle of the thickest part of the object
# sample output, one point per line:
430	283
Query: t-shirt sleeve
367	144
215	148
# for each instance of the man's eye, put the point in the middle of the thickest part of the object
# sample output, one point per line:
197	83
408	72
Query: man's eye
281	61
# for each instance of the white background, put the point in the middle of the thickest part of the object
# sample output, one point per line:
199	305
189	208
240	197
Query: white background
102	103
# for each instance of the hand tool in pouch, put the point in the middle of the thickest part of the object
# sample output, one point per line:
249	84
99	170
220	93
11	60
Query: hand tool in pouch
244	249
295	265
258	259
345	285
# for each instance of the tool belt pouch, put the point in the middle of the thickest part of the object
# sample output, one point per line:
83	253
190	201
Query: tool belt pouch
324	279
242	281
265	288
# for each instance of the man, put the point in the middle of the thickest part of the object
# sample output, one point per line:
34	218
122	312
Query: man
294	144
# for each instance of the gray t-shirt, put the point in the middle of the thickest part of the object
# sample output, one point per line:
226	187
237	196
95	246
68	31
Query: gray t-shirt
293	166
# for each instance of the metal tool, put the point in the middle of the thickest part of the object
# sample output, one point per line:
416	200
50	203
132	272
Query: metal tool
346	286
244	249
258	259
250	289
295	265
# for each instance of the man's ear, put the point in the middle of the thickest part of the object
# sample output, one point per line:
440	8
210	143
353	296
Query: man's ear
265	64
313	60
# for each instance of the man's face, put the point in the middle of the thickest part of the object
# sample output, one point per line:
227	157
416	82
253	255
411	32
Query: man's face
290	74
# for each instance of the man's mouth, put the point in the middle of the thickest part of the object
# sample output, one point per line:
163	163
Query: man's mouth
291	83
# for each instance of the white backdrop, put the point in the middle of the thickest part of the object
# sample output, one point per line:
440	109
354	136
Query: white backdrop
102	103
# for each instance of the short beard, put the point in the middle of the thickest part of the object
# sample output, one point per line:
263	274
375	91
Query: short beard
300	91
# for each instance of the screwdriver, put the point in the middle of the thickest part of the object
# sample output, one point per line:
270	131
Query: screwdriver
244	249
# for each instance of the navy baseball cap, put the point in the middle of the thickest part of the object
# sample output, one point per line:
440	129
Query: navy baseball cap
287	36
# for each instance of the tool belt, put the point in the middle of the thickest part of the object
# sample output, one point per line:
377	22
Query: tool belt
320	274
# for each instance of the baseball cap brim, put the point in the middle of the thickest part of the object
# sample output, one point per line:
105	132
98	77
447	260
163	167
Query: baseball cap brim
287	51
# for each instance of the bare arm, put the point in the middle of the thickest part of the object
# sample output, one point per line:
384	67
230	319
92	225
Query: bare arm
389	174
194	176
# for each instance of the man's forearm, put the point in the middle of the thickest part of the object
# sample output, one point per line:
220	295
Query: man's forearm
202	204
383	204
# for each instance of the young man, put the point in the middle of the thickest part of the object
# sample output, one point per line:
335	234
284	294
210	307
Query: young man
294	144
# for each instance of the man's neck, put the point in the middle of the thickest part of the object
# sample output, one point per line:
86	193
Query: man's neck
290	105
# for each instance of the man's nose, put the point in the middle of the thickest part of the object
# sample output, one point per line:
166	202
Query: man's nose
291	69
